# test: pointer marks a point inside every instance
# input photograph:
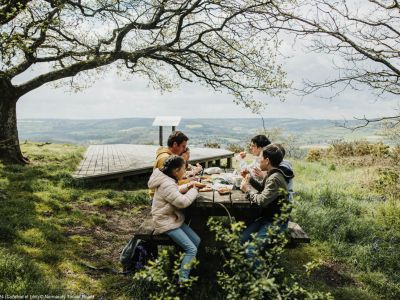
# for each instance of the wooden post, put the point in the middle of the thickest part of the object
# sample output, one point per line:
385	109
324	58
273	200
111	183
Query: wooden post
229	163
161	136
173	128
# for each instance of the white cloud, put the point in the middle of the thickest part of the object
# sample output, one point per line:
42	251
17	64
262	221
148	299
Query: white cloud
111	97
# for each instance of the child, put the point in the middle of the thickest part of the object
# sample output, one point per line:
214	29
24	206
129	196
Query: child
257	144
168	202
272	192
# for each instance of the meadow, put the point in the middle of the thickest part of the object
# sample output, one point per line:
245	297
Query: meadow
54	231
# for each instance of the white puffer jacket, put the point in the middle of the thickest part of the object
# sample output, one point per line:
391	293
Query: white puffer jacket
168	202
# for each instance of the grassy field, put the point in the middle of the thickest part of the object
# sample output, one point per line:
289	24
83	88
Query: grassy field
53	228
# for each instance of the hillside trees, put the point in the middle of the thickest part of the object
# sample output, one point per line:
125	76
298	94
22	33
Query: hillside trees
224	44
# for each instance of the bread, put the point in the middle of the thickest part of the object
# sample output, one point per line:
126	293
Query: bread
224	191
206	189
199	184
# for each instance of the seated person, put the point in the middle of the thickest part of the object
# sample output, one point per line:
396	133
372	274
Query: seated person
257	144
167	209
270	195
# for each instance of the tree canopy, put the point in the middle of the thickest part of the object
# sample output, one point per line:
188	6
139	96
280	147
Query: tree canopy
363	38
224	44
214	42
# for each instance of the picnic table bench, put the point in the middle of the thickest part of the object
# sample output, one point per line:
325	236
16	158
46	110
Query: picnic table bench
213	204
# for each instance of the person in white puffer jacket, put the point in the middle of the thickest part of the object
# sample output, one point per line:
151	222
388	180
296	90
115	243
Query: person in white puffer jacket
168	202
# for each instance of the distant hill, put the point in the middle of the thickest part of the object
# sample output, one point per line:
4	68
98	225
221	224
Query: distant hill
200	131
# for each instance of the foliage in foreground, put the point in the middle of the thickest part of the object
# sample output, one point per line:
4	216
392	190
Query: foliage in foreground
239	278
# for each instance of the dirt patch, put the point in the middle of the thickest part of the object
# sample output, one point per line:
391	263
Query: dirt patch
108	239
333	275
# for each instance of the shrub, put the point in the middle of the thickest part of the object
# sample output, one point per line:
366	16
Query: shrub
212	145
314	154
158	281
235	148
240	279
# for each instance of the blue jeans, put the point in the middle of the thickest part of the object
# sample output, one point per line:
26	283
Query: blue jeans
189	241
260	228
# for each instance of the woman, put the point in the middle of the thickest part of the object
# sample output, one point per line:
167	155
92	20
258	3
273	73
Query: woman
168	202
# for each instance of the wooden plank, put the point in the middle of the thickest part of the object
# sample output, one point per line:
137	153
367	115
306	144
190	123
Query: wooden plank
146	232
119	160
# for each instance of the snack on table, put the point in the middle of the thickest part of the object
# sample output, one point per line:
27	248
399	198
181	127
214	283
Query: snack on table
199	184
224	191
206	189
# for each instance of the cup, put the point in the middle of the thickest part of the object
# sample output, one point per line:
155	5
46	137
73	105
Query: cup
238	181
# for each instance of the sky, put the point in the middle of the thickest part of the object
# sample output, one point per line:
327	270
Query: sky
111	97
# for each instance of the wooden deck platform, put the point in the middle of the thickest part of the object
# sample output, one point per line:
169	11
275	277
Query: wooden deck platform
120	160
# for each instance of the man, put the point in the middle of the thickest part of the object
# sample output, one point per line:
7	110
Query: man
177	144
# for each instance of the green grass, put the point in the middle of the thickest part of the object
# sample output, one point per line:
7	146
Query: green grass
52	226
354	230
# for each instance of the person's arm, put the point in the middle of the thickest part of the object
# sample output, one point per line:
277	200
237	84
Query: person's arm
185	187
270	192
179	200
256	184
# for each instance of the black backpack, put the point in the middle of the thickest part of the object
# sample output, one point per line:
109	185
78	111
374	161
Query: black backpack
135	255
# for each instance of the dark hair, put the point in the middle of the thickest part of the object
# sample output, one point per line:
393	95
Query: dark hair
274	154
176	136
260	140
173	162
282	149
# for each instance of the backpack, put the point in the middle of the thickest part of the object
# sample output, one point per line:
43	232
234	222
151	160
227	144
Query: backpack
135	255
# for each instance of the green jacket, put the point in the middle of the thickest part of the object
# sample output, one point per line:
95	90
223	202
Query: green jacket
270	191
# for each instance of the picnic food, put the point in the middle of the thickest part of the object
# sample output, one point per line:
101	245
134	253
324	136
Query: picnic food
224	191
206	189
199	184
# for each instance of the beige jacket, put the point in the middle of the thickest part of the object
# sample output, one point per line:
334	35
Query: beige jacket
168	202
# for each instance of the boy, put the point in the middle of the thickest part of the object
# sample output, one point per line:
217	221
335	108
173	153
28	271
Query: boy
270	196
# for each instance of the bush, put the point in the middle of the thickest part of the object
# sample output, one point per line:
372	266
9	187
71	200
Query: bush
212	145
315	154
158	281
235	148
240	280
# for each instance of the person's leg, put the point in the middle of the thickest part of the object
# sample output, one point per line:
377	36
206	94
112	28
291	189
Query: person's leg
246	234
181	238
191	234
260	229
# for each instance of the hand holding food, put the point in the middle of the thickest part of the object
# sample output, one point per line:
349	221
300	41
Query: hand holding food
244	173
242	154
257	172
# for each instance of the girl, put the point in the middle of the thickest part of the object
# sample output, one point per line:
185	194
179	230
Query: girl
168	202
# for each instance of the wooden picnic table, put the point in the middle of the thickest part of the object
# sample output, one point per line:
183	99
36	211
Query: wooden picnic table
208	204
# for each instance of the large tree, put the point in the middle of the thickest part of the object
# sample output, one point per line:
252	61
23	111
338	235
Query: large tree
362	36
224	44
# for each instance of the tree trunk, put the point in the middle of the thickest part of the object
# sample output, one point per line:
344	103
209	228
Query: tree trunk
10	151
